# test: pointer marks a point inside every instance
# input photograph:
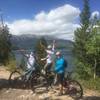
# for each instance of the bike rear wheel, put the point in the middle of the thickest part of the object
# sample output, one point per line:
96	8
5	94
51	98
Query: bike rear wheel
15	79
73	88
38	81
33	80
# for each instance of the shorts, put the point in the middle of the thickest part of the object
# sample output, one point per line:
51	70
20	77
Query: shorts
60	78
48	67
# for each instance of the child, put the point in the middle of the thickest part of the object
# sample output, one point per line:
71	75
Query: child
49	61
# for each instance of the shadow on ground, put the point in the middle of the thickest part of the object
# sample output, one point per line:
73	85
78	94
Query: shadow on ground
4	84
92	98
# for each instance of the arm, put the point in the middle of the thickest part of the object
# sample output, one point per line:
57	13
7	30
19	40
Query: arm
22	51
53	47
44	58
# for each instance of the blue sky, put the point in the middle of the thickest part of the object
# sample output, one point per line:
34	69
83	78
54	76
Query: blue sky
17	9
20	14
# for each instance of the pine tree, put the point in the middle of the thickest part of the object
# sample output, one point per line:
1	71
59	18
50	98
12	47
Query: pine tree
85	15
5	44
40	51
82	35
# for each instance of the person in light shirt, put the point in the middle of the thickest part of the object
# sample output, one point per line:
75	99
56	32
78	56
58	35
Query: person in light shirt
49	60
30	61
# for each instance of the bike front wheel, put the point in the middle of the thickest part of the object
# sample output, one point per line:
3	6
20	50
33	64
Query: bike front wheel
73	88
15	79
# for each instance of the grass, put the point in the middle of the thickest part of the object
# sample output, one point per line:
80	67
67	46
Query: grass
11	66
91	84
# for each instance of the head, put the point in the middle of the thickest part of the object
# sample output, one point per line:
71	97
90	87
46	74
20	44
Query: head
32	54
49	47
58	54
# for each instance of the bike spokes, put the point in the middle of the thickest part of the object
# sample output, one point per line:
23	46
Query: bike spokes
73	88
15	79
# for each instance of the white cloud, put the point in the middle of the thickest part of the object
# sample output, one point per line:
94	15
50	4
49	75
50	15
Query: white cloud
60	22
95	13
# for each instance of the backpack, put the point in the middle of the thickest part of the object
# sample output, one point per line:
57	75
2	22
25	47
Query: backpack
65	63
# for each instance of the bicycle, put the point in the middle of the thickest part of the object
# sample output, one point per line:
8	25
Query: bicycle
31	78
17	79
71	87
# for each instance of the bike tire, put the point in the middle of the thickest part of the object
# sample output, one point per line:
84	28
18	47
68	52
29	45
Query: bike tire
32	81
15	79
41	81
74	88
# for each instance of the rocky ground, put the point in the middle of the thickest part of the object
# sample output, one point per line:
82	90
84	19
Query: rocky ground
7	93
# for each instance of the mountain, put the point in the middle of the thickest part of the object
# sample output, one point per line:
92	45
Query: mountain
23	41
29	42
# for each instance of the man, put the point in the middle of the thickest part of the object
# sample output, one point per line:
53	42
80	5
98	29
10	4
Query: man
60	69
49	58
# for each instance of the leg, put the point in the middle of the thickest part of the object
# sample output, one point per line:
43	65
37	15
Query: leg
61	77
44	69
61	88
45	66
55	79
48	68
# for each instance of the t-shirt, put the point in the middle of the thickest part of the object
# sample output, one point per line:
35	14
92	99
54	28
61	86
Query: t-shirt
49	56
59	65
31	62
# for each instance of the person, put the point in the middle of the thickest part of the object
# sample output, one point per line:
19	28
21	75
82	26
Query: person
60	69
49	58
30	64
30	60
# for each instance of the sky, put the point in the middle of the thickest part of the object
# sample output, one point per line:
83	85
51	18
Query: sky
58	18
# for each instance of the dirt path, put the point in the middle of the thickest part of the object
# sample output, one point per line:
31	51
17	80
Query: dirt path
40	93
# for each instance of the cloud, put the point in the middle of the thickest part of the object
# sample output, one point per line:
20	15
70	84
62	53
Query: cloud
59	22
95	13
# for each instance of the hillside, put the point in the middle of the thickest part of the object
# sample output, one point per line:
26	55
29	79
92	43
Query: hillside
29	42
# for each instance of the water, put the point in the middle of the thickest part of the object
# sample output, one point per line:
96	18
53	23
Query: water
67	55
70	59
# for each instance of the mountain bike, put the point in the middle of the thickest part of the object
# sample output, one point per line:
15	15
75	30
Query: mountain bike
30	78
71	87
18	79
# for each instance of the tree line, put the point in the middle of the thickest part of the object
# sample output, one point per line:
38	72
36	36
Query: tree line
5	45
87	44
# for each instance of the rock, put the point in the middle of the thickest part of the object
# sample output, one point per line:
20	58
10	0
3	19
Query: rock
8	91
44	97
31	93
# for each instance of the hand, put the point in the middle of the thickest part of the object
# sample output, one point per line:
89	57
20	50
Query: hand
43	71
22	50
42	59
54	41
